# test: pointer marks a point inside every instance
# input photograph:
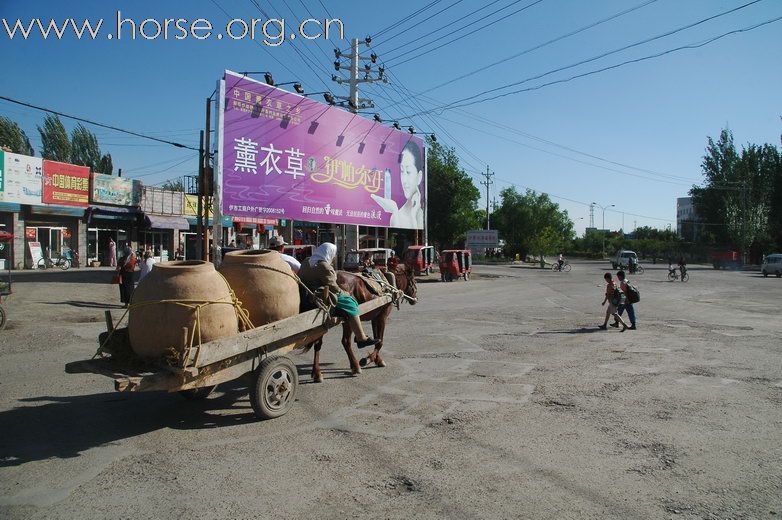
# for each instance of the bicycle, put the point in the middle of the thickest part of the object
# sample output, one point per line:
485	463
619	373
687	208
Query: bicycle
566	267
63	262
673	275
638	269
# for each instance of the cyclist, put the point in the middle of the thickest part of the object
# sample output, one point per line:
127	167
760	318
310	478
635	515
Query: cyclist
560	261
682	267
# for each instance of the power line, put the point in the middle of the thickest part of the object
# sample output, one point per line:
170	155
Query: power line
461	102
102	125
544	44
474	31
388	39
404	19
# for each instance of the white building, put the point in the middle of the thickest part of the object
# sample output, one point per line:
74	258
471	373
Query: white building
686	217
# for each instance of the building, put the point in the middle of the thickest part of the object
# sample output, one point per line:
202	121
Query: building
687	219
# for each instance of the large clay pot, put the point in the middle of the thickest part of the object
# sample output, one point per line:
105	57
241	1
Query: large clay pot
156	328
256	276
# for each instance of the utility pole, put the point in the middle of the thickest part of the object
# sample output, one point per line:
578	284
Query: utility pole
488	182
200	205
206	189
354	103
592	215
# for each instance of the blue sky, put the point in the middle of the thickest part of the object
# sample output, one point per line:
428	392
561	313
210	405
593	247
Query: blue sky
644	124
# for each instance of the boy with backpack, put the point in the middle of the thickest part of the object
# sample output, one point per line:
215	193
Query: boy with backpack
614	297
631	296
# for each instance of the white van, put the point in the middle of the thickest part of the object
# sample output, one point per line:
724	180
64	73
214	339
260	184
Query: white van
623	259
772	264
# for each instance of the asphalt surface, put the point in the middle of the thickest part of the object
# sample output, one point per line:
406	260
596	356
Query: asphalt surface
501	399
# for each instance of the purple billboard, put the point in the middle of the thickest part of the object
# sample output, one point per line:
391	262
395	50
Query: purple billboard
285	156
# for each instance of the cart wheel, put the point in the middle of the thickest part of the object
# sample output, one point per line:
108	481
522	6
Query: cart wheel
274	390
2	317
197	394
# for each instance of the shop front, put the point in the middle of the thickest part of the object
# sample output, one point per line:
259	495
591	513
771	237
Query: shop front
162	237
56	230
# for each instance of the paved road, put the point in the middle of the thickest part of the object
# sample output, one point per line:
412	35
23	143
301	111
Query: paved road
501	400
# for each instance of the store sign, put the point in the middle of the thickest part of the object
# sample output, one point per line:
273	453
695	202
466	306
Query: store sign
482	238
191	206
108	189
286	156
251	220
21	179
31	233
65	184
36	253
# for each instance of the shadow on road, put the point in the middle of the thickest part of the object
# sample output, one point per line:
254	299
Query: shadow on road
580	330
64	427
89	305
80	276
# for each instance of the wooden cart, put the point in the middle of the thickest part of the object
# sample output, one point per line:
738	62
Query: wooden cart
259	352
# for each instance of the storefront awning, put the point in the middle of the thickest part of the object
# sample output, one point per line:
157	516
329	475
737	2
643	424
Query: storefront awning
168	222
60	211
10	207
116	213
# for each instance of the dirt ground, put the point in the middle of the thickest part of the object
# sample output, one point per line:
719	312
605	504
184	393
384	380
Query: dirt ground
500	400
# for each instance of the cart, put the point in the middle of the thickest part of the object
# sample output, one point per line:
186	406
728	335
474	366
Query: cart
455	264
258	353
5	272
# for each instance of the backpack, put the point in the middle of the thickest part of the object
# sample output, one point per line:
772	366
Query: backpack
633	295
618	297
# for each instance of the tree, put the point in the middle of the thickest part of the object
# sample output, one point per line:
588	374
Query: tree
84	148
523	221
174	185
105	165
13	137
453	198
739	195
54	139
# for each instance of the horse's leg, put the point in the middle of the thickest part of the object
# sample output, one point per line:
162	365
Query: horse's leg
316	375
371	356
347	335
379	326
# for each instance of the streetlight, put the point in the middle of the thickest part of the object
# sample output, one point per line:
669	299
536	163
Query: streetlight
604	208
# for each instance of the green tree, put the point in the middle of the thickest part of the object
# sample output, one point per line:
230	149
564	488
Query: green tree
84	148
174	184
739	191
13	137
453	197
521	218
105	165
54	139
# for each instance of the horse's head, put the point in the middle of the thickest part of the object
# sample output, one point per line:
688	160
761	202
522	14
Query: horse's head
405	282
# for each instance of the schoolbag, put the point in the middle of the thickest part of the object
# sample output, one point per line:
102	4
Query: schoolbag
618	297
633	295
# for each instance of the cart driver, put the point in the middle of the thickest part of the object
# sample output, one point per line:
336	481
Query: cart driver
277	243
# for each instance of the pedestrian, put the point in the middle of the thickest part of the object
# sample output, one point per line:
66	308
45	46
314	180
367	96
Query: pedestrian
624	285
125	269
146	265
614	297
316	272
277	243
112	252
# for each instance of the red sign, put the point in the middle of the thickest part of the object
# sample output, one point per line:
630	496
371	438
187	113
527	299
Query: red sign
65	184
31	233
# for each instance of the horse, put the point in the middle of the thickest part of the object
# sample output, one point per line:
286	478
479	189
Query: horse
356	287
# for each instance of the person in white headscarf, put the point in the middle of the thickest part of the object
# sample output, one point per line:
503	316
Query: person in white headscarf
317	271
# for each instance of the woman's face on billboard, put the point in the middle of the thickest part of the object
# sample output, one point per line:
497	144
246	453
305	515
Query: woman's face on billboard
410	175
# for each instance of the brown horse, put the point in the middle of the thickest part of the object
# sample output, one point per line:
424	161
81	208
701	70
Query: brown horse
356	287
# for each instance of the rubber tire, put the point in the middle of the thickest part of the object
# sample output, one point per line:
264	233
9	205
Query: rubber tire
2	317
671	277
685	277
65	265
466	277
265	371
639	270
554	267
41	263
566	268
197	394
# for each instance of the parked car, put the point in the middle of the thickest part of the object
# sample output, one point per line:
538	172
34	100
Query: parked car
622	259
772	264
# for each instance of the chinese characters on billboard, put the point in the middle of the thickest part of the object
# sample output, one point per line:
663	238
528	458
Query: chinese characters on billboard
285	156
65	184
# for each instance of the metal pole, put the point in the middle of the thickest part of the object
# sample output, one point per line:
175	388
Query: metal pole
207	178
200	206
354	59
604	232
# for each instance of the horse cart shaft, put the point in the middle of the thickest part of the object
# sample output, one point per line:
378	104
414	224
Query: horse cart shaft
258	351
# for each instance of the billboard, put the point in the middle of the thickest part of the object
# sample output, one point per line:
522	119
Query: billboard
482	238
65	184
22	179
283	156
108	189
